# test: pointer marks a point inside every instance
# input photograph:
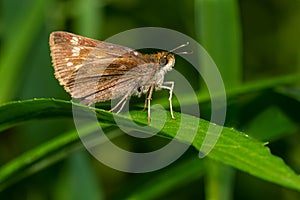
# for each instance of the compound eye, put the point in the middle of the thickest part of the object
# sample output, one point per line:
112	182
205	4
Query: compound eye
163	61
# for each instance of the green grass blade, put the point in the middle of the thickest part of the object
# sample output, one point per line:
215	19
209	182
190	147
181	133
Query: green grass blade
219	181
247	88
43	156
73	186
269	125
36	159
15	44
233	148
218	29
88	15
14	113
290	92
166	180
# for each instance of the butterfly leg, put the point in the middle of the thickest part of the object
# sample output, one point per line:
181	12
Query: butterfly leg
148	100
170	88
122	101
121	108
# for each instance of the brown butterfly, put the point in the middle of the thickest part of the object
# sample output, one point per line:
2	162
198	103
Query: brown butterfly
96	71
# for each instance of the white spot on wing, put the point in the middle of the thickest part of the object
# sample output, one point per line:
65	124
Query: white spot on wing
76	51
74	40
69	64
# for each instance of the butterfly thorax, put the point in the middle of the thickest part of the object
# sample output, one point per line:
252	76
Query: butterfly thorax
158	65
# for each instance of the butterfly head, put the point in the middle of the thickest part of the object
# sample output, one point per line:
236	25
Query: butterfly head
166	61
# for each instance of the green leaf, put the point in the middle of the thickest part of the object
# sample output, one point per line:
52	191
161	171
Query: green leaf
13	113
233	148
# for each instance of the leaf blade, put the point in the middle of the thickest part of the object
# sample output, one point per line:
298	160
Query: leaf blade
233	148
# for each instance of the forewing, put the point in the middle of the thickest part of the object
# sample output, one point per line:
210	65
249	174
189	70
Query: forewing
85	66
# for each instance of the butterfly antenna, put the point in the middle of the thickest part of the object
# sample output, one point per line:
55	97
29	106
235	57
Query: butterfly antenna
181	46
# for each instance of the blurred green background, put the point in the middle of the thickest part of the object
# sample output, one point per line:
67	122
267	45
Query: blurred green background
250	40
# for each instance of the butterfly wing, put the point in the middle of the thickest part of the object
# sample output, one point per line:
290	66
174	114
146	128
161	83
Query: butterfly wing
92	69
